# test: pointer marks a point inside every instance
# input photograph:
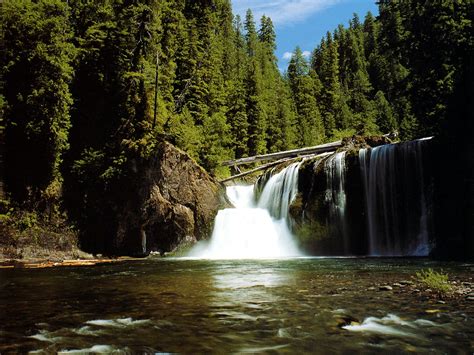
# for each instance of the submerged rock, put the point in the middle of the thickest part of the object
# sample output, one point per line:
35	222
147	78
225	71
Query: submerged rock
345	320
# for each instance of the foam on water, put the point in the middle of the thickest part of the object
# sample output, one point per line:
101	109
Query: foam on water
96	349
91	328
121	322
254	230
390	325
46	336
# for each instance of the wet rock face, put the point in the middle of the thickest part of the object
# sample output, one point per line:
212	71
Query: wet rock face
171	200
313	223
331	214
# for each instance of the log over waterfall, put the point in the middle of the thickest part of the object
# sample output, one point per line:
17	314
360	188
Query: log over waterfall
322	148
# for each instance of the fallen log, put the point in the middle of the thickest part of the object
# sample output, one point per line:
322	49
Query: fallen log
269	165
261	167
328	147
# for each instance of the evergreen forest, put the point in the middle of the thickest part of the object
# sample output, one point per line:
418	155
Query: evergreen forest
88	86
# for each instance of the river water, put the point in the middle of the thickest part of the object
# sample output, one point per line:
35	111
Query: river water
219	306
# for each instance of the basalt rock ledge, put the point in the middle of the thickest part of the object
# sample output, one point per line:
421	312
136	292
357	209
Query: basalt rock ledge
165	201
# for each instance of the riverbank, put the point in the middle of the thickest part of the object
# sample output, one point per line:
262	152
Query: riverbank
27	241
29	235
45	263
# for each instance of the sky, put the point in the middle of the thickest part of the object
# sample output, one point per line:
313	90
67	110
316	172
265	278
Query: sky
303	22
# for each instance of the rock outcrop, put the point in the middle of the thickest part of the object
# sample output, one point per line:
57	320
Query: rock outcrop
321	226
168	200
362	201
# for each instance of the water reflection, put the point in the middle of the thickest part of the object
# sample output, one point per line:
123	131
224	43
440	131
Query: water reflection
198	306
245	293
246	277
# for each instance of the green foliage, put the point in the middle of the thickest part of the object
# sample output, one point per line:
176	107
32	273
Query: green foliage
343	133
37	69
384	114
215	146
385	74
309	125
31	234
437	281
186	134
79	80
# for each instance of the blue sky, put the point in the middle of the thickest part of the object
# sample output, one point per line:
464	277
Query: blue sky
303	22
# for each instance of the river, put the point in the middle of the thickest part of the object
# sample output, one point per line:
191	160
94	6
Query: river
297	305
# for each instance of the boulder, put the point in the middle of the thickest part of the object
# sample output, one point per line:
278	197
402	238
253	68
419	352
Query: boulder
164	201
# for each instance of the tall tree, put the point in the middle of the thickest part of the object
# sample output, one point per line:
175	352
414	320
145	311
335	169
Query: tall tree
236	99
394	66
309	124
256	115
326	64
437	39
37	70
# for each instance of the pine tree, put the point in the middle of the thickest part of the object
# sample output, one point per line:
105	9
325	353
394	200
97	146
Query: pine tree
251	37
335	110
271	84
436	40
236	99
393	66
385	118
310	130
283	135
256	115
176	58
37	71
266	34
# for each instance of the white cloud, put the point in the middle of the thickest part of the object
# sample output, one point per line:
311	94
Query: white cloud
288	55
282	12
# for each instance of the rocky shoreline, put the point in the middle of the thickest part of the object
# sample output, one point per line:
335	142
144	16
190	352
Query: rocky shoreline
44	263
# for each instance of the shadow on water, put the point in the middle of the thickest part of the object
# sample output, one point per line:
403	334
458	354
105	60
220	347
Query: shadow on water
180	305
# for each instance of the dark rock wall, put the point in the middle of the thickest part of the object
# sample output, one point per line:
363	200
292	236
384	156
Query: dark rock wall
319	233
165	201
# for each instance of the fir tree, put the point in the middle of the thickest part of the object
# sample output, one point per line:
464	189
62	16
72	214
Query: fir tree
256	115
37	71
384	115
309	127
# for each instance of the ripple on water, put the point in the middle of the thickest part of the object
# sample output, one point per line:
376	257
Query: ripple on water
46	336
391	325
120	322
96	349
87	331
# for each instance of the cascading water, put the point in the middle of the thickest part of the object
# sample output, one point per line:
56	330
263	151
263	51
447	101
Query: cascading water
384	211
334	169
279	191
395	197
255	230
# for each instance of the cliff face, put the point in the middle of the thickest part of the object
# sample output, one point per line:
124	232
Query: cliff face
167	200
328	214
370	198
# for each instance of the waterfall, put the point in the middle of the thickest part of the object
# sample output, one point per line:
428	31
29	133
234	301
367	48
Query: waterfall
381	208
279	191
254	230
396	199
335	196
